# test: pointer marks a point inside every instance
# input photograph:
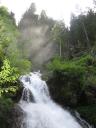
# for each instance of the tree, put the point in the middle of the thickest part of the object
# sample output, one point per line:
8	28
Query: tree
8	73
32	8
43	17
82	31
58	35
9	43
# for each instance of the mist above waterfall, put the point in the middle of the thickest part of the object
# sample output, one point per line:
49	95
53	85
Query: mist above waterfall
36	39
39	48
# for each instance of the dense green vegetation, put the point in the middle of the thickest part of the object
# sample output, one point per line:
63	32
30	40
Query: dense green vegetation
88	112
5	112
73	83
71	63
12	65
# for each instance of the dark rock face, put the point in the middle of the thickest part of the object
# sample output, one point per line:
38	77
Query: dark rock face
63	90
67	90
91	94
17	117
27	95
18	94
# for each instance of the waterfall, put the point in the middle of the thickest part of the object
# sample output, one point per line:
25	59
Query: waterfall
40	110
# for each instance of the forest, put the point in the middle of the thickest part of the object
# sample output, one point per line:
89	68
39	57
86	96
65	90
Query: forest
66	56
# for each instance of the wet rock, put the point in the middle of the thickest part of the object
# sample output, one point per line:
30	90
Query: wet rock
17	117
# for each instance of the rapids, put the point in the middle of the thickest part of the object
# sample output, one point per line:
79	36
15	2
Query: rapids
40	110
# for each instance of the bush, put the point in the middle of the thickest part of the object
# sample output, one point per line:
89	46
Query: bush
8	73
5	109
89	113
73	80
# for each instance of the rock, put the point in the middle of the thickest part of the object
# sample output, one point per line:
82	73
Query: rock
17	117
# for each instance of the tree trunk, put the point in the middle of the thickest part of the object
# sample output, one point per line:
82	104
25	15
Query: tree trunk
86	34
60	49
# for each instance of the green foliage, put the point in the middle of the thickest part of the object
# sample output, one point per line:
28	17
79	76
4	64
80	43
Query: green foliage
9	69
8	79
59	35
24	66
8	30
91	80
8	91
58	31
80	64
9	46
3	11
8	73
89	113
5	109
82	32
17	60
66	65
12	62
74	79
79	38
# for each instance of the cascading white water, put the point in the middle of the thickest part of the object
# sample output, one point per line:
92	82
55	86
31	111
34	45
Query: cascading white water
40	111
